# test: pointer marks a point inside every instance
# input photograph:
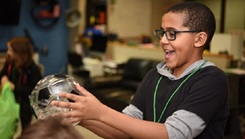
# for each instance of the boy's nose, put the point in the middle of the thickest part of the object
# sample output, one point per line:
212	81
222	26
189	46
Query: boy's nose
164	40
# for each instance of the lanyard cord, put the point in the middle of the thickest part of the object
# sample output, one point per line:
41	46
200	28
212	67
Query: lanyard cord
170	98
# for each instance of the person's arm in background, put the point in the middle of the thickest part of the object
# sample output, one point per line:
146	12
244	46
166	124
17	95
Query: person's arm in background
4	70
4	75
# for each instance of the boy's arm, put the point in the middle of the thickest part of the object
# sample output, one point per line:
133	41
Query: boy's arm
102	129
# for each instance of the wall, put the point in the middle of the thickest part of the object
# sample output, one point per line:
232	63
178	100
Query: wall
82	8
215	6
73	30
225	42
234	15
158	8
129	18
54	39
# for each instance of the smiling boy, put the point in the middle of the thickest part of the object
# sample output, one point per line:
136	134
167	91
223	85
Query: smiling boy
184	97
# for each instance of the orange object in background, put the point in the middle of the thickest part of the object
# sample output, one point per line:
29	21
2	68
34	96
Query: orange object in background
102	19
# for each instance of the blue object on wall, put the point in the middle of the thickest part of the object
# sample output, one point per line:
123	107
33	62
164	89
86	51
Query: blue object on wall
54	39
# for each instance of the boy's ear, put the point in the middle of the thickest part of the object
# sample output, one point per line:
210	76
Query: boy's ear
200	39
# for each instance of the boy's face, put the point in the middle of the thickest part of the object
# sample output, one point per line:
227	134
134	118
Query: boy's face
179	53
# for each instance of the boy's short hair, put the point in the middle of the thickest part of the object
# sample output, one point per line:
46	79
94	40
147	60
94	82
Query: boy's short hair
197	16
53	127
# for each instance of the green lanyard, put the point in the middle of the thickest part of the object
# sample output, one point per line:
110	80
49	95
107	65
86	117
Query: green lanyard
170	98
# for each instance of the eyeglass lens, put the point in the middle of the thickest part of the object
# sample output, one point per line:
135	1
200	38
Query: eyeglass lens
170	34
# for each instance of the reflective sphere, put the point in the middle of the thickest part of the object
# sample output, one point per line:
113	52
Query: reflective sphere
47	90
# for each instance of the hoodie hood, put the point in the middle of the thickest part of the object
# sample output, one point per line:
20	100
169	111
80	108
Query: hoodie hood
165	71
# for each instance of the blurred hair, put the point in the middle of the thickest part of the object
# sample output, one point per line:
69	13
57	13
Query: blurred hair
23	50
53	127
197	16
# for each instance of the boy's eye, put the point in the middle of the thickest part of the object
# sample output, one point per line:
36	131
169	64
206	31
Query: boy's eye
171	34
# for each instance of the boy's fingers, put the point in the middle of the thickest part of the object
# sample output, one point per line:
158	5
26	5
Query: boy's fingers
62	104
83	91
69	96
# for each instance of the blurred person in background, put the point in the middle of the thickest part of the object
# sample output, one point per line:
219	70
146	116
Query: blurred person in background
22	73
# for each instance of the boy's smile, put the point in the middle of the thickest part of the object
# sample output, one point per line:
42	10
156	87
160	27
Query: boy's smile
169	53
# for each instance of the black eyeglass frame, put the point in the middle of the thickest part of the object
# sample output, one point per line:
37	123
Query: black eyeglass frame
162	32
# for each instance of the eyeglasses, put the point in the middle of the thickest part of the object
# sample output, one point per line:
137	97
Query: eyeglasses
171	34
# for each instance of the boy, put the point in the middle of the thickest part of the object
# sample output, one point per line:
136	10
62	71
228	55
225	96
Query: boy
184	97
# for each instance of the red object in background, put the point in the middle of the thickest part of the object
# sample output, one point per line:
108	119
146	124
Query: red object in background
56	11
46	13
102	17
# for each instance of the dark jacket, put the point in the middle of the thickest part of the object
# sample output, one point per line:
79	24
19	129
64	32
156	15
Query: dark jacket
24	82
